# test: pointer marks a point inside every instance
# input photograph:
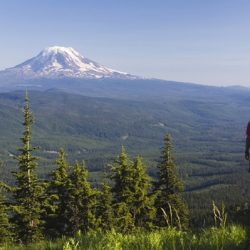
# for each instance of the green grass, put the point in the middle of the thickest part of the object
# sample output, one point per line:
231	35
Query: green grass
229	238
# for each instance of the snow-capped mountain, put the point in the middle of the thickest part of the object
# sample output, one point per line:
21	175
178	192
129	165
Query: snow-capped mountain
60	62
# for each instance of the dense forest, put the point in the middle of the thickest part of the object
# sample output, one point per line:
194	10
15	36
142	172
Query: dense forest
126	198
66	203
206	124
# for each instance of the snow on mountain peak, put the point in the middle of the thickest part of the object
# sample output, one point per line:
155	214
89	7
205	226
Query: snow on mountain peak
58	49
66	52
59	62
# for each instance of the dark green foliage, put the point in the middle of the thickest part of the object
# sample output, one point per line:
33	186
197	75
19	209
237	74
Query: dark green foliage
133	205
72	202
58	197
241	215
171	209
28	191
82	202
104	209
5	227
143	210
123	178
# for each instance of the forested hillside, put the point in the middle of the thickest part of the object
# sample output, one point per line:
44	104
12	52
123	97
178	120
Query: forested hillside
63	206
208	136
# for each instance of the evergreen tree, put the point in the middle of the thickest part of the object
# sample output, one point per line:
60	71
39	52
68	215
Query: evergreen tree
5	227
143	206
171	209
56	217
28	191
82	202
122	176
104	208
133	203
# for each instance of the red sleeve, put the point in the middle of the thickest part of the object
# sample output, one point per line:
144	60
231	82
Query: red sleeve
248	129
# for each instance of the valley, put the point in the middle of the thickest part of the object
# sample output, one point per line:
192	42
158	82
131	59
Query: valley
208	137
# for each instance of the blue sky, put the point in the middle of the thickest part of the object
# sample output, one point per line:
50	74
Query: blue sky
184	40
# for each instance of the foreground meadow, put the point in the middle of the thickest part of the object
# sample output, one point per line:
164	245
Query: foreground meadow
228	238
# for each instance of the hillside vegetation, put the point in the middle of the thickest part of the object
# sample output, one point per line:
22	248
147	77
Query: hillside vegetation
129	210
207	125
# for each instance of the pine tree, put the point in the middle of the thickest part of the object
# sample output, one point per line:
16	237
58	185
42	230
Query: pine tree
5	227
56	215
28	191
143	206
82	202
123	178
104	208
133	203
171	209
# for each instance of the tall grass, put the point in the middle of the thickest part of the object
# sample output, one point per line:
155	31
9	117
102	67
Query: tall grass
219	237
215	238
